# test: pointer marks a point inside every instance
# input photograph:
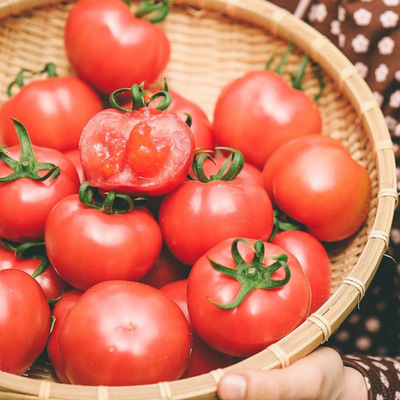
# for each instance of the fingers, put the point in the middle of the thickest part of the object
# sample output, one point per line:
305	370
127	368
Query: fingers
319	376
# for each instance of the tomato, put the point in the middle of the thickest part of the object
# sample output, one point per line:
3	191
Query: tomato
24	321
166	269
201	213
89	243
259	111
124	49
35	264
314	260
203	358
26	198
315	181
137	151
245	294
59	312
124	333
53	110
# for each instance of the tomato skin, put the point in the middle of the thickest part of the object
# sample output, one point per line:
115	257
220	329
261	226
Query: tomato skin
265	316
60	310
125	50
127	247
316	182
25	203
75	156
53	110
314	260
196	216
258	112
51	283
203	358
124	333
24	321
106	158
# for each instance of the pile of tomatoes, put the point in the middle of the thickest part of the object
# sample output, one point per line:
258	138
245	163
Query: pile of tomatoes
142	242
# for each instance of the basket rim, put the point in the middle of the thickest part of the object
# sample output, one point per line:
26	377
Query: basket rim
321	324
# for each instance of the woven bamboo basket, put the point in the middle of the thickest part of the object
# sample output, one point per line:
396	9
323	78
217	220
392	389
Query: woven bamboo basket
214	41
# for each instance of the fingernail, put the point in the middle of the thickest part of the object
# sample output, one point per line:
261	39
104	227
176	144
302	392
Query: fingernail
233	387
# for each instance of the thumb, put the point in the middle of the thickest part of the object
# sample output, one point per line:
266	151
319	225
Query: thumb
320	375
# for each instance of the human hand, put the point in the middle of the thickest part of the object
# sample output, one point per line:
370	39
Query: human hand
318	376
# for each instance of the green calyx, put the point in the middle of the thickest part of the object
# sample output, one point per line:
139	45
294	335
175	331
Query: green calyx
283	223
19	80
229	170
296	80
137	97
29	250
254	275
109	203
27	166
153	10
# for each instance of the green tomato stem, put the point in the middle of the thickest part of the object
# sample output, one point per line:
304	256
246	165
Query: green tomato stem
254	275
27	166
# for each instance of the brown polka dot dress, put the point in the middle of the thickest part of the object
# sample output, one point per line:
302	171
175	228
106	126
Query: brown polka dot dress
368	33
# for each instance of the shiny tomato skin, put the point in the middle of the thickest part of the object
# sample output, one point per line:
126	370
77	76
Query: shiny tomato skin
124	333
53	110
314	260
161	152
203	358
265	316
315	181
87	246
25	203
125	50
259	111
51	283
197	216
24	321
59	312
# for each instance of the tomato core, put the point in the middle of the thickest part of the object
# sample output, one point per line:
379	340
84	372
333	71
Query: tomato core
145	156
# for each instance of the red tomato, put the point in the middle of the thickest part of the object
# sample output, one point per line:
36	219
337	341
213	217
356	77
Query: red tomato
314	260
316	182
53	110
124	333
87	245
144	151
166	269
262	289
51	283
260	111
125	49
203	358
25	202
24	321
60	310
201	213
